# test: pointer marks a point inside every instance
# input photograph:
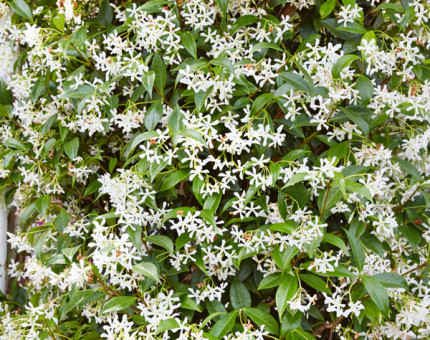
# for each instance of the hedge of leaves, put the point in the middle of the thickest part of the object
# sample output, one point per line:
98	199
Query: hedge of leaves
236	169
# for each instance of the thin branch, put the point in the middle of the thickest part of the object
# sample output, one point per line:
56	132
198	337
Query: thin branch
416	268
88	62
162	96
326	197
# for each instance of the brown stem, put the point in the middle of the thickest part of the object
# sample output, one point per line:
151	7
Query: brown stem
297	259
416	268
326	197
335	323
328	326
400	207
178	7
87	199
88	62
50	330
162	96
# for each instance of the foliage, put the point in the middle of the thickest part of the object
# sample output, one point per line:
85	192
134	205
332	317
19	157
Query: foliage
226	170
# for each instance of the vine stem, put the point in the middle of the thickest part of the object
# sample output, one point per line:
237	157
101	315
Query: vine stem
416	268
162	96
400	207
333	325
326	197
88	62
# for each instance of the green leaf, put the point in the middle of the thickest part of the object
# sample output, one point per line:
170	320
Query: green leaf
223	5
270	281
212	203
341	63
364	87
194	134
242	21
357	119
42	204
147	269
162	241
336	241
41	241
223	62
21	8
239	295
290	322
412	235
262	318
58	22
352	27
408	167
148	79
378	293
154	6
262	45
156	168
62	220
261	101
189	43
27	213
105	15
408	16
296	178
160	72
387	5
72	147
136	140
92	187
14	143
138	92
391	280
286	290
175	123
153	115
282	205
327	200
315	282
70	252
224	325
283	259
299	334
48	124
173	179
80	92
298	83
117	304
112	164
360	189
136	236
357	250
201	96
209	318
190	304
326	8
166	325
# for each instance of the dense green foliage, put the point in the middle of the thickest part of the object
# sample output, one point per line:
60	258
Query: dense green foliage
227	170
